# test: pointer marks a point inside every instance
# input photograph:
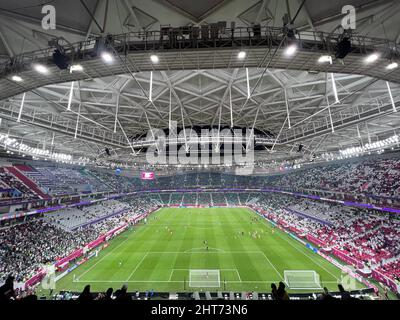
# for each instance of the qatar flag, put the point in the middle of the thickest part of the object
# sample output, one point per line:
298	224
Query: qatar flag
147	175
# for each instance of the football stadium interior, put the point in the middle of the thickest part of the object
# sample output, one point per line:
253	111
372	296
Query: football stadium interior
199	150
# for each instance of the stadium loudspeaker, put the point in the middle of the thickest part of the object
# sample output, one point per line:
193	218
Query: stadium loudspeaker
108	152
60	60
343	48
300	148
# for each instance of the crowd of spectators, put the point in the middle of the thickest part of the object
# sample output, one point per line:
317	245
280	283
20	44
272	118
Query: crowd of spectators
374	177
371	177
25	248
368	236
72	218
10	182
365	235
278	293
200	199
56	181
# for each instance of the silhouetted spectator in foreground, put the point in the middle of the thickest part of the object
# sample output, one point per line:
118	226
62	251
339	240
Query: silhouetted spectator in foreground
274	291
345	295
86	295
282	294
326	295
29	297
122	295
108	295
7	291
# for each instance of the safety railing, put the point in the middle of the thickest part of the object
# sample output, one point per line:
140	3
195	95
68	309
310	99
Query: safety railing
169	38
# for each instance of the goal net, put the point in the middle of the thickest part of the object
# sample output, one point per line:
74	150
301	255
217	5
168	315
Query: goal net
302	279
204	279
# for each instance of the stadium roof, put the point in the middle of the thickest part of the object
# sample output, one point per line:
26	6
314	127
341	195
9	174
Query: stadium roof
194	87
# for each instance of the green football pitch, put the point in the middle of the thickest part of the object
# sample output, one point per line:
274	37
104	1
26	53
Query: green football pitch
246	252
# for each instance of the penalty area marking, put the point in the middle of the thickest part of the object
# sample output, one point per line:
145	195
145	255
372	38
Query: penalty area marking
180	281
282	236
137	266
200	252
311	258
101	259
182	252
236	270
203	250
272	265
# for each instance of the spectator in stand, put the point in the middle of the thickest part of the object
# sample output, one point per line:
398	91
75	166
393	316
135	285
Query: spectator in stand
122	295
345	295
86	295
326	295
7	291
108	295
274	291
28	296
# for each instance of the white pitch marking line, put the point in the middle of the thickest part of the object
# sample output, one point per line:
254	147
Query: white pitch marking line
137	266
202	250
309	257
180	281
101	259
197	252
272	265
237	271
318	264
204	269
170	276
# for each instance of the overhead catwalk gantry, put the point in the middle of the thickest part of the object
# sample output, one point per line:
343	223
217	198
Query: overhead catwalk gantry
191	49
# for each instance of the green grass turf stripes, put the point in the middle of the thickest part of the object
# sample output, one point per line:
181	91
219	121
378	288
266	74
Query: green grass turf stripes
160	254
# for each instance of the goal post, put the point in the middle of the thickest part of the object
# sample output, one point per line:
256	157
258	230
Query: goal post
204	278
302	279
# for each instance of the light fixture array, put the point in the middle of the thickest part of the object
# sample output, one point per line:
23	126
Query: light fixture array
13	145
377	146
370	146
